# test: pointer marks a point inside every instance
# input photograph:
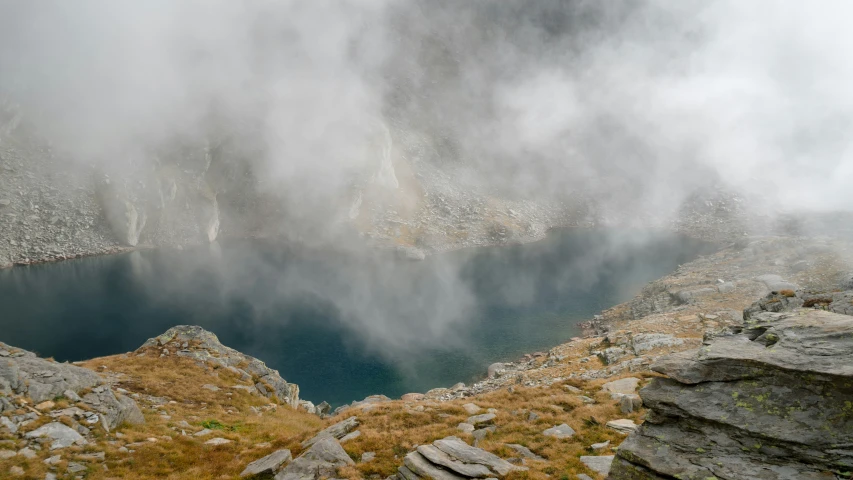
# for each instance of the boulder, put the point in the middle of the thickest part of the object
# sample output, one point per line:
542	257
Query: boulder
623	386
61	435
481	420
336	431
622	425
524	451
40	379
465	453
267	466
598	464
771	401
471	408
320	461
560	431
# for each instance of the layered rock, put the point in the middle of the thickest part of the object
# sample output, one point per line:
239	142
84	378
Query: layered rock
198	344
771	400
452	459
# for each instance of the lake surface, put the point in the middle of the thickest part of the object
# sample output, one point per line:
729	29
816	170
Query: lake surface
342	324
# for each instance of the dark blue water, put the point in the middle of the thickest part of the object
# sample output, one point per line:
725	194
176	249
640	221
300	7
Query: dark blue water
341	324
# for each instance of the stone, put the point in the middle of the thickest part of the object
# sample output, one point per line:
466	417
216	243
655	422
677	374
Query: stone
28	375
598	464
16	471
49	476
768	400
320	460
412	397
61	435
560	431
465	453
336	431
44	406
27	453
203	432
420	467
630	403
583	476
54	460
75	467
586	400
5	454
267	466
643	342
471	408
524	451
212	388
624	386
217	441
481	420
367	456
465	427
622	425
600	446
495	369
438	457
532	417
5	422
350	436
572	389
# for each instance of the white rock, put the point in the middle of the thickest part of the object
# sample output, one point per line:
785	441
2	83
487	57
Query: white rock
217	441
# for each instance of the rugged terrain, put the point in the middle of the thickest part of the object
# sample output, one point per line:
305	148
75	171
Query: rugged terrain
54	206
211	412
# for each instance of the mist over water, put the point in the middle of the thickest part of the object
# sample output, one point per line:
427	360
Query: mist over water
343	324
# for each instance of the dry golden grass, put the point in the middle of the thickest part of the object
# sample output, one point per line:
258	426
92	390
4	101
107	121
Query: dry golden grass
393	429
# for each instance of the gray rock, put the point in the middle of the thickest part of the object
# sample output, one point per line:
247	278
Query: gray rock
5	422
217	441
560	431
75	467
465	427
532	417
438	457
419	466
643	342
767	402
583	476
61	435
6	454
599	464
622	425
367	456
321	460
267	466
41	380
336	431
630	403
463	452
624	386
524	451
350	436
600	446
471	408
481	420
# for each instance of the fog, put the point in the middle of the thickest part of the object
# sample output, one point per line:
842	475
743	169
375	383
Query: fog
635	104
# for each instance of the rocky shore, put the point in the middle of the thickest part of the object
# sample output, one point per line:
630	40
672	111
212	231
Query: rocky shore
742	356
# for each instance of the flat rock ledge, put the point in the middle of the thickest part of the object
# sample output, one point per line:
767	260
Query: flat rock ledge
770	401
452	459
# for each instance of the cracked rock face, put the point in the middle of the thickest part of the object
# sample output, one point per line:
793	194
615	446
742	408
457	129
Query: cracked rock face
769	402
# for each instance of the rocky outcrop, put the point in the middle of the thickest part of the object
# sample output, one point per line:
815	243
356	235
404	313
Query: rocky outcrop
320	461
452	459
198	344
770	400
336	431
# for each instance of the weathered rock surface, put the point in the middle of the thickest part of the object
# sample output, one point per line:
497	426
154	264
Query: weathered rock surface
336	431
60	436
197	343
452	459
268	466
770	401
560	431
320	461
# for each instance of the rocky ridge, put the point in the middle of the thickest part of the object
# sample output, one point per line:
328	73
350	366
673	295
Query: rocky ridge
198	344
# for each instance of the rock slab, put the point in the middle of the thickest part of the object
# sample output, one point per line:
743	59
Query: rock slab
771	400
